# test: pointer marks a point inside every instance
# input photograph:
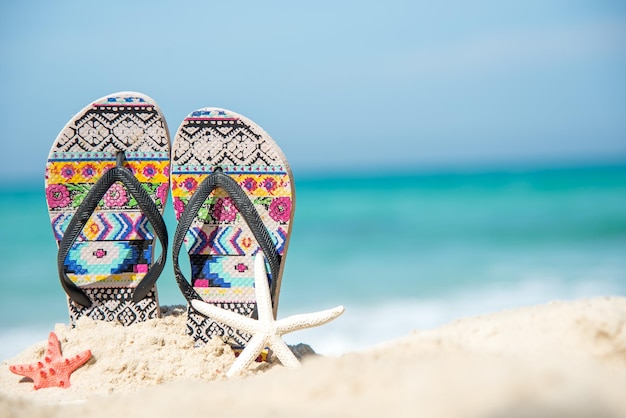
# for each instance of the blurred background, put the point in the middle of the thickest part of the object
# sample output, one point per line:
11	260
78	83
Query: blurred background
451	159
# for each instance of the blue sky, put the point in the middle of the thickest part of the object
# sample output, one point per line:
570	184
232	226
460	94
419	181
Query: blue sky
345	85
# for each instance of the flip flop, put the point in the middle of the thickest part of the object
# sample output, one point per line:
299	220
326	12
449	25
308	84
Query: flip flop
107	182
233	195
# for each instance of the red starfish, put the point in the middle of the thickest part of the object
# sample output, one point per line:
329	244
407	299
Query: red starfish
54	370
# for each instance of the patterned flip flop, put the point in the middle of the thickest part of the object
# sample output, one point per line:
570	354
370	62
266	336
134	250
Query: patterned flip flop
233	195
107	182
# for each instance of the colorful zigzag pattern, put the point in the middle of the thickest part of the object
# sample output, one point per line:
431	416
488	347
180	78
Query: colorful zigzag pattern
228	240
107	226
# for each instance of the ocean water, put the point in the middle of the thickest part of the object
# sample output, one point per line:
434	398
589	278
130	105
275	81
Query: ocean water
401	252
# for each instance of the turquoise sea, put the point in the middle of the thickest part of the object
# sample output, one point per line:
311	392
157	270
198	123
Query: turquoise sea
399	251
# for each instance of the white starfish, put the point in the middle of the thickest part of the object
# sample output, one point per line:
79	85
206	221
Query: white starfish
266	331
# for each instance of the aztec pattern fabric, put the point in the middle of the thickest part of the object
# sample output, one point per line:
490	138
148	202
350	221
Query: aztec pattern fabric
114	250
220	244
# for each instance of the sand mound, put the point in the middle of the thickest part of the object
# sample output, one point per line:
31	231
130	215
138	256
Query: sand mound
560	359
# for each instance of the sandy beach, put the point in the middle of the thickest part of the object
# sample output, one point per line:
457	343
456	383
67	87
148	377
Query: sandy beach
560	359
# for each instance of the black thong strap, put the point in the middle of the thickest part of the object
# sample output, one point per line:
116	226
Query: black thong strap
249	214
87	208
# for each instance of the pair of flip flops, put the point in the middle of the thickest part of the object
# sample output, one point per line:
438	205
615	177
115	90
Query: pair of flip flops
108	177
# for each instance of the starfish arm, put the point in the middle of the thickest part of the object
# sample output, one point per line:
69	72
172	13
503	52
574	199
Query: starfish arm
26	370
78	360
310	320
36	372
248	355
282	351
53	350
230	318
262	289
